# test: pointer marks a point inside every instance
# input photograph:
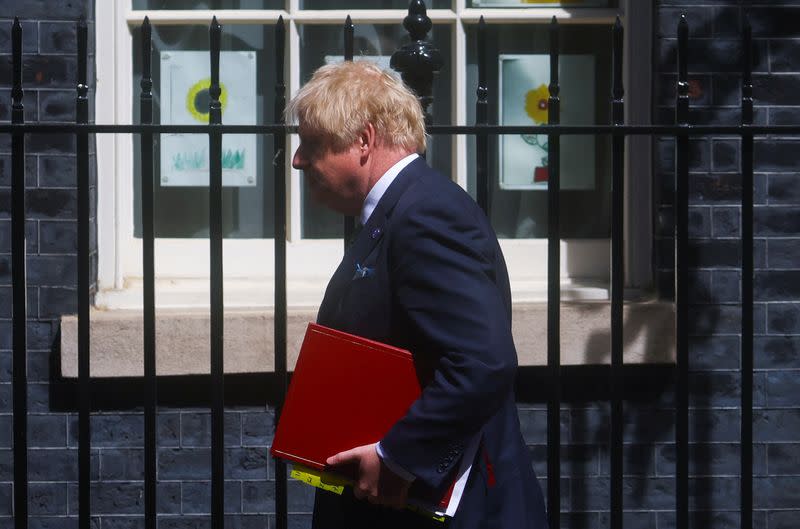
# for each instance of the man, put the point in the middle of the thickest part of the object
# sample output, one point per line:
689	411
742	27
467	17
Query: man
425	273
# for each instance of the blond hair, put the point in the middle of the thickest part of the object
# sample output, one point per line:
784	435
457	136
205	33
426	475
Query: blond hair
341	99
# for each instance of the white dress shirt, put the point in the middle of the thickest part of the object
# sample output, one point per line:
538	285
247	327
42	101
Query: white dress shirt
380	187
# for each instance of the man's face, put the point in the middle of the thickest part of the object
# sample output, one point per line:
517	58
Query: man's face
334	177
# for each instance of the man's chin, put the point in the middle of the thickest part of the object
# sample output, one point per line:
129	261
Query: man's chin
322	200
333	203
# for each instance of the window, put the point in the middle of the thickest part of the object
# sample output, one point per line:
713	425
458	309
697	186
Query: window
517	40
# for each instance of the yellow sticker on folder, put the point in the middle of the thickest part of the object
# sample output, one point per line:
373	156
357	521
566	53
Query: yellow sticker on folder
321	480
335	484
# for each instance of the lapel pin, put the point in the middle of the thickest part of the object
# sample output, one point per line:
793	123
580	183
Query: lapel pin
375	233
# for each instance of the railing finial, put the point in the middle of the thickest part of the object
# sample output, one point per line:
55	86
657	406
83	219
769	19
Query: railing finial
280	85
682	103
83	87
618	90
554	86
17	108
214	91
747	75
146	83
348	38
418	61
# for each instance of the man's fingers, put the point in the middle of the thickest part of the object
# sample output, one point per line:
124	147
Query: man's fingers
359	493
342	457
348	456
362	491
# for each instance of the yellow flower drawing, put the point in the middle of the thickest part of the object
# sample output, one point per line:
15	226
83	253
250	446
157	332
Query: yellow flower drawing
198	98
536	104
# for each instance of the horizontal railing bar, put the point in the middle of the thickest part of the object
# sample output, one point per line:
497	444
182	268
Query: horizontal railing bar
628	130
572	130
44	128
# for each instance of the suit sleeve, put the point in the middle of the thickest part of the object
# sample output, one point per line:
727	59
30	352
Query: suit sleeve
443	283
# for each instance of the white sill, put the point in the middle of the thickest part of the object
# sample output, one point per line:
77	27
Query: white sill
189	293
182	328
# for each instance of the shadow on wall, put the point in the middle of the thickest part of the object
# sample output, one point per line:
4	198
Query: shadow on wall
649	422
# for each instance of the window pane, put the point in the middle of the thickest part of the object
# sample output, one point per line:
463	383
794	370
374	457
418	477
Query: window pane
542	3
371	4
321	43
518	78
208	4
180	93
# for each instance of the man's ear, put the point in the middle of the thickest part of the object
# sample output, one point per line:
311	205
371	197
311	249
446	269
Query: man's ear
366	140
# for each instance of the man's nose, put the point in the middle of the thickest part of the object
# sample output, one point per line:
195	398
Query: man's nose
298	161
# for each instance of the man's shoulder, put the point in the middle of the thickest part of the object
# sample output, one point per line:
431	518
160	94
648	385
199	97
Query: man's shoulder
434	190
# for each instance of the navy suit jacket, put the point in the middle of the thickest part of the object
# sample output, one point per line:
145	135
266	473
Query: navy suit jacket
426	274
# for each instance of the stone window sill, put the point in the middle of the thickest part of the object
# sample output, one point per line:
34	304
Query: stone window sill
182	338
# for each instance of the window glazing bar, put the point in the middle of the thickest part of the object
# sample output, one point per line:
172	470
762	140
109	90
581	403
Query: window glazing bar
269	16
539	16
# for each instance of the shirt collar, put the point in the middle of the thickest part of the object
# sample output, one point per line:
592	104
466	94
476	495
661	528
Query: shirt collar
380	187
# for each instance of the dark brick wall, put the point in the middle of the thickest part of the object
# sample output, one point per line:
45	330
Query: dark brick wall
715	216
183	429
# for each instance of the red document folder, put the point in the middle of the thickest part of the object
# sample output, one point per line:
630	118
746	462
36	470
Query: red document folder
346	391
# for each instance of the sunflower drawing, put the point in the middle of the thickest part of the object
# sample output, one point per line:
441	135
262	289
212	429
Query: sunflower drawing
536	104
536	107
198	98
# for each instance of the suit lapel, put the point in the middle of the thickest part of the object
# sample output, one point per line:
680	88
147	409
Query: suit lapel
376	224
366	241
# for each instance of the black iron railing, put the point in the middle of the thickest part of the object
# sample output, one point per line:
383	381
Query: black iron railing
418	25
148	294
554	288
682	284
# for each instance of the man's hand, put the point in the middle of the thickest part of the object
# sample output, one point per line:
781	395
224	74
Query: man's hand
374	481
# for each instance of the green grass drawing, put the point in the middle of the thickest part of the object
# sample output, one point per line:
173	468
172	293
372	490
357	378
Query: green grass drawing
189	161
233	159
193	161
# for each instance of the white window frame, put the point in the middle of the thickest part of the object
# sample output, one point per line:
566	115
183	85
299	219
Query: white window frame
182	264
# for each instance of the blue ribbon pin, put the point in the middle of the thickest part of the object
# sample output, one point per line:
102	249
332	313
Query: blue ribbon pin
363	271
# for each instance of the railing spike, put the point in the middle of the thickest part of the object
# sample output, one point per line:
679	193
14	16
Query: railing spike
482	118
348	38
617	279
681	282
84	285
746	403
17	111
349	221
280	302
19	289
553	289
